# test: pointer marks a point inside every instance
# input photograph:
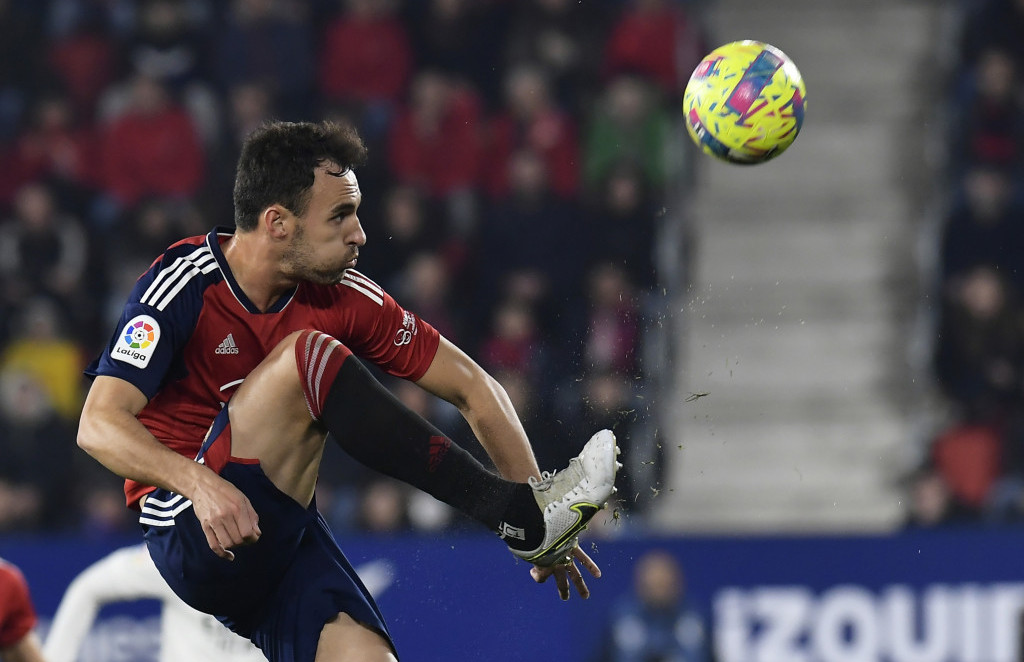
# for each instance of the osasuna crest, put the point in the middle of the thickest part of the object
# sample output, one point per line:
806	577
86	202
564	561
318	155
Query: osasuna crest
137	342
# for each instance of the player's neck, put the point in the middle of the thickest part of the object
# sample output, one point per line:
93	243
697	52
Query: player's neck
254	266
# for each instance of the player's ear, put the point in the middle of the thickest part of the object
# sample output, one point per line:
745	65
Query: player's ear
275	220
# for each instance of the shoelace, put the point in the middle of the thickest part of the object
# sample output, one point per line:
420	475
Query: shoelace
546	480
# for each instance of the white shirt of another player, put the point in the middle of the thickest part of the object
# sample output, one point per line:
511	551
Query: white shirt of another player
129	574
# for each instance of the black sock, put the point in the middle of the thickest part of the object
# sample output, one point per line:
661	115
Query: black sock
375	428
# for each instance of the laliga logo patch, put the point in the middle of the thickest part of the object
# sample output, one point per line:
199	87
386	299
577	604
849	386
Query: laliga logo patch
137	342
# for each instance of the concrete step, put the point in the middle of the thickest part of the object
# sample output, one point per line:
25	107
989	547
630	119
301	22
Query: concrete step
782	359
823	175
855	60
743	406
810	255
755	480
782	303
793	317
766	515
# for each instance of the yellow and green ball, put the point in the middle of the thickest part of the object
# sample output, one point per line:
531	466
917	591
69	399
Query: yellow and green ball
745	102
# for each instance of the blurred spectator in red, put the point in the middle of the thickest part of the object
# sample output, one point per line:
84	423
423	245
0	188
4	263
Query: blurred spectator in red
58	149
969	457
988	123
979	352
629	126
565	37
621	225
152	148
84	59
656	39
435	142
514	341
43	252
269	44
532	120
365	62
614	322
460	38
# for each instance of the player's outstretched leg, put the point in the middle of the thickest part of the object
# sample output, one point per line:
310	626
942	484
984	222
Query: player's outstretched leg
538	521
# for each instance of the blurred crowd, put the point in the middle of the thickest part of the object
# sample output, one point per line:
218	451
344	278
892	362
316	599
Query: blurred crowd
521	151
973	472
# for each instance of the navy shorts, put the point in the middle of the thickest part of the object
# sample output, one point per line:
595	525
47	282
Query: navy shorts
278	592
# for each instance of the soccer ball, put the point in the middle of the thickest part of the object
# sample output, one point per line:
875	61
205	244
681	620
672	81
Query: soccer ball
744	102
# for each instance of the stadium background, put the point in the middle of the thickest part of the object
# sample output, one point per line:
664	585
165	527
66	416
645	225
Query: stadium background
815	364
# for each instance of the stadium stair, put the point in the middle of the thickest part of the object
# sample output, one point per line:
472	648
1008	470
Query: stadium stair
797	318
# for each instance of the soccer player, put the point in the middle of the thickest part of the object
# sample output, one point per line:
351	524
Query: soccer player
129	574
18	641
239	351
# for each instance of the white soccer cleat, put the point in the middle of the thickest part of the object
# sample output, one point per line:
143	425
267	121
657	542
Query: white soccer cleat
570	498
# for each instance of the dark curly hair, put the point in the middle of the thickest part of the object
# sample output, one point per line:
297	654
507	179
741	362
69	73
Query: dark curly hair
278	161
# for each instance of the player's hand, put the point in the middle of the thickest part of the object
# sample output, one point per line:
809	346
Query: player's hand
566	571
227	517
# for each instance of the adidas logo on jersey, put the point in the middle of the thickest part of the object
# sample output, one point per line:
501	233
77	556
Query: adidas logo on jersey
227	346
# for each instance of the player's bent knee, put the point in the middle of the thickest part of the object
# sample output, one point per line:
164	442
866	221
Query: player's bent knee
346	640
318	357
290	370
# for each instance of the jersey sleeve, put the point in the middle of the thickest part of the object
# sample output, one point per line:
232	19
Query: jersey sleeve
150	333
17	615
389	336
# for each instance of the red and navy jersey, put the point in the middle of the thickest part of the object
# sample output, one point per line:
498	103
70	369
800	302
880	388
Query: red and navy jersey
17	616
188	336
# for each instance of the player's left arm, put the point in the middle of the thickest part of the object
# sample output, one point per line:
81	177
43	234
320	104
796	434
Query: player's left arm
27	649
455	377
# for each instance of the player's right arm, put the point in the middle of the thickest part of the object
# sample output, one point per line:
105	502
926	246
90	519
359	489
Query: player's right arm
110	431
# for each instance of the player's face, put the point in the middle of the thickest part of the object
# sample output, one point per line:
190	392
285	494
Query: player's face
328	235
